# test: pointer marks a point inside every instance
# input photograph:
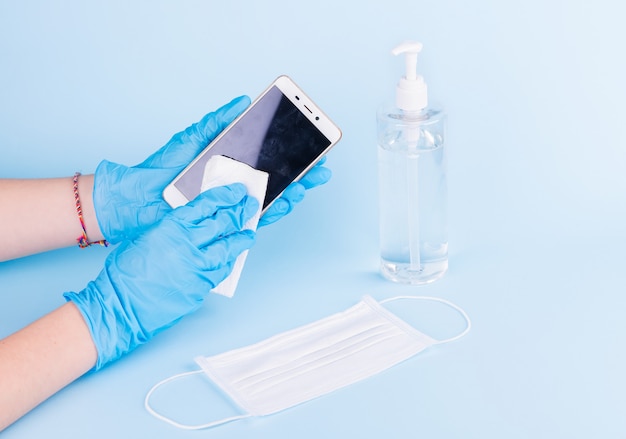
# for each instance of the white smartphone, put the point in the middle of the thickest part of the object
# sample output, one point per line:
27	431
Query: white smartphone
282	133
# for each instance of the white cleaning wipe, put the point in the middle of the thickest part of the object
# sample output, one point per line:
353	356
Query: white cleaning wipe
220	171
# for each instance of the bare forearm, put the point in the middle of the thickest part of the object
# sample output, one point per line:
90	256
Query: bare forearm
40	214
41	359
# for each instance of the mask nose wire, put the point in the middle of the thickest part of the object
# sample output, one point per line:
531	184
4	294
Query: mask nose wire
445	302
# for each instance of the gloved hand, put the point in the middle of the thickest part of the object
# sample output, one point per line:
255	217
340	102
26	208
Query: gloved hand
317	176
129	199
148	283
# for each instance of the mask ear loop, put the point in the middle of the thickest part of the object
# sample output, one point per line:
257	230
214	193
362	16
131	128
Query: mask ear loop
445	302
170	421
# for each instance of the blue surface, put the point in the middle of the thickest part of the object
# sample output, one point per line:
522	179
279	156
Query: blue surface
537	152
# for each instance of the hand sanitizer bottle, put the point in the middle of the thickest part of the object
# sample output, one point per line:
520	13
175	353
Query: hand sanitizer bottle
412	181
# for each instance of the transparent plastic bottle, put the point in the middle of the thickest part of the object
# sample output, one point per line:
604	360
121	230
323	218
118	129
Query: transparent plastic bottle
412	182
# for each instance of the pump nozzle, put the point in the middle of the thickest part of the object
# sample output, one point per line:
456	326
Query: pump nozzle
411	49
411	92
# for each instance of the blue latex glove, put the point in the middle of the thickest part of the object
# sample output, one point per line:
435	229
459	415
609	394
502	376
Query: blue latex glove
129	199
318	175
148	283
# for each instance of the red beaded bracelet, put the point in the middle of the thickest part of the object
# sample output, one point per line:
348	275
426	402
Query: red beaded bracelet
83	242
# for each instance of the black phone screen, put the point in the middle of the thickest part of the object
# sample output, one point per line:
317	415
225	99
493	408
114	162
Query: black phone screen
273	136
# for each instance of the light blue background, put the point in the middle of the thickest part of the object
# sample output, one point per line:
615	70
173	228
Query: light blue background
537	154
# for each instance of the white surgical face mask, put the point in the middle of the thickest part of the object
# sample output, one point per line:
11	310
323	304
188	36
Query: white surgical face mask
312	360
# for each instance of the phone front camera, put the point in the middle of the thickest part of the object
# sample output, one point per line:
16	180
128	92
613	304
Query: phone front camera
317	118
297	98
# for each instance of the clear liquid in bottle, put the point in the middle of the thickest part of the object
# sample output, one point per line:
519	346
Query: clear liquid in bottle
412	195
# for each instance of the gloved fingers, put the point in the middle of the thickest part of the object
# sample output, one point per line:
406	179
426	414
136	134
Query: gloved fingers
294	193
224	222
184	146
317	176
209	202
284	204
214	123
222	253
277	210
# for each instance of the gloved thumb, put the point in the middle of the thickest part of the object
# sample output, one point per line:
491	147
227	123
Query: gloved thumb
184	146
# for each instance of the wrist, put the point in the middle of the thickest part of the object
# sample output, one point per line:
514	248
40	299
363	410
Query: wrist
100	307
128	200
83	195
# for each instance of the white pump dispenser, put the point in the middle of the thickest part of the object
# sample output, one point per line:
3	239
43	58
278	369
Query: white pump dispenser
411	91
